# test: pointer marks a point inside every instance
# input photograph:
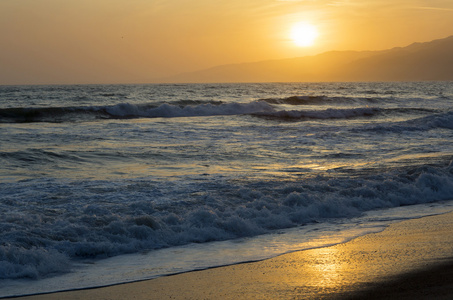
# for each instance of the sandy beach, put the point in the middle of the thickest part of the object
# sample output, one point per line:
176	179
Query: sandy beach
408	260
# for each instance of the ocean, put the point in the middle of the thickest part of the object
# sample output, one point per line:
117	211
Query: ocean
106	184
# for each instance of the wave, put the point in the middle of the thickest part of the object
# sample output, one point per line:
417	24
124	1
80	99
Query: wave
320	114
195	108
45	233
131	111
434	121
319	100
186	108
38	157
192	108
178	108
50	114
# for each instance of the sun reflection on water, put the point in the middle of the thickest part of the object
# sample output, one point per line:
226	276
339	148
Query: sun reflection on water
328	267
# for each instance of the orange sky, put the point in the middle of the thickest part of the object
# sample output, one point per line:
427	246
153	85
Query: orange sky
134	41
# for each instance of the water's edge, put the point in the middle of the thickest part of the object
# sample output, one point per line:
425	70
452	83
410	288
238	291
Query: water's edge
345	231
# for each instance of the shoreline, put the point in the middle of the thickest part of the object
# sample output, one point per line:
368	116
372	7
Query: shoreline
374	265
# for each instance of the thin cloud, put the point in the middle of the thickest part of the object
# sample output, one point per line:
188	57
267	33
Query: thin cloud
433	8
325	2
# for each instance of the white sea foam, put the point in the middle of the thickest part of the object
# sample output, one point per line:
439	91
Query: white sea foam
169	111
111	218
135	267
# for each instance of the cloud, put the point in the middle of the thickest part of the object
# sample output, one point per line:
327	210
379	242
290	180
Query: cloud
325	2
318	1
433	8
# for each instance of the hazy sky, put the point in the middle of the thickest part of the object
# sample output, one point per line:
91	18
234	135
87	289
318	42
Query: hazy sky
134	41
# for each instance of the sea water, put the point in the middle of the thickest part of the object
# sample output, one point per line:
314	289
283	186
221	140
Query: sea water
104	184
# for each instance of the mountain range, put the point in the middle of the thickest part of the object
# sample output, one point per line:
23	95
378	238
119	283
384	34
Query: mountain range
416	62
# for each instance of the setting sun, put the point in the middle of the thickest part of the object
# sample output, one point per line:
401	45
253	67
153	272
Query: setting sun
304	34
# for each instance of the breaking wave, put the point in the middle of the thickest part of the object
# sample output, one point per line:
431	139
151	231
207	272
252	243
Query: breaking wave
321	114
440	120
111	218
129	111
270	108
318	100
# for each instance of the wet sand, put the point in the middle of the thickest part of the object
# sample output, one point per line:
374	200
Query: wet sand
409	260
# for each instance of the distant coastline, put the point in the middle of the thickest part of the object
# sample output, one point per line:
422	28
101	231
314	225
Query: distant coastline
430	61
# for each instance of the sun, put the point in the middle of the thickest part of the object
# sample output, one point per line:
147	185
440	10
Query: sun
304	34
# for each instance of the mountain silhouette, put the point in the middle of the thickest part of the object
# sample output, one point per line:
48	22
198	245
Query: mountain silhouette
417	62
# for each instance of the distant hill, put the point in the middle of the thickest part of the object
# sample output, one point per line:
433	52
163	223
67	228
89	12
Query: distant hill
417	62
